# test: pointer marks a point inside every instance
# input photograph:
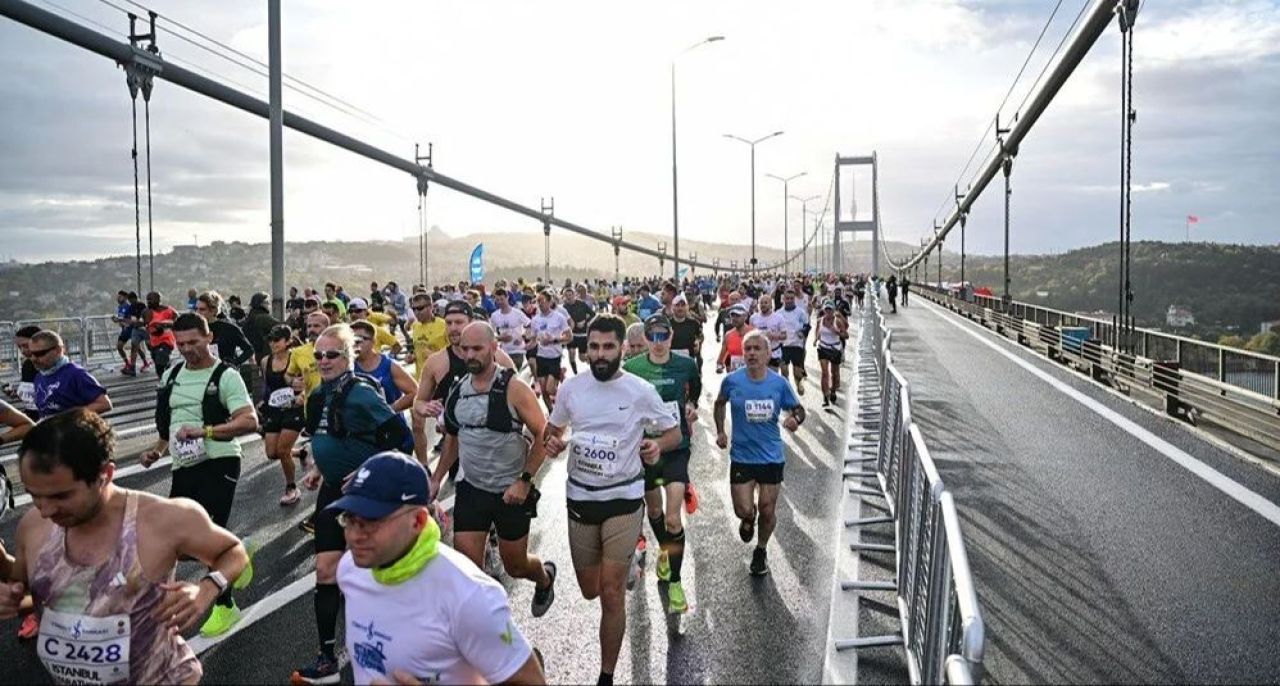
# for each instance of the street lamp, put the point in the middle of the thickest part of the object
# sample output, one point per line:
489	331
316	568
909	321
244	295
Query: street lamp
804	245
675	186
785	195
753	144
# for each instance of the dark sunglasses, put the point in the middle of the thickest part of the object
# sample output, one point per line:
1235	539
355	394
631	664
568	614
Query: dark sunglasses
42	353
327	354
419	308
657	336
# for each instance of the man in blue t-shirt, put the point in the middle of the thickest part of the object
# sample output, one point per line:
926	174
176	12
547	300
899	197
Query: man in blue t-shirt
61	383
756	396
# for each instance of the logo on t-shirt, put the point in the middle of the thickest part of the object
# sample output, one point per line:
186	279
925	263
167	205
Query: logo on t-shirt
370	653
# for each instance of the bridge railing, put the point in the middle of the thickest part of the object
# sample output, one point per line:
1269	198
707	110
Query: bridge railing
1192	380
942	628
91	341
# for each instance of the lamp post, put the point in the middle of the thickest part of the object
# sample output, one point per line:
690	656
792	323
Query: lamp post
675	186
785	195
752	144
804	212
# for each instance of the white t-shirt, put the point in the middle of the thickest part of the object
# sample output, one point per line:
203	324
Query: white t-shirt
513	323
606	422
550	326
793	323
771	324
450	624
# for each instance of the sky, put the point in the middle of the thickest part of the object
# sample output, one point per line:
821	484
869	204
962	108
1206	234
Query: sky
573	100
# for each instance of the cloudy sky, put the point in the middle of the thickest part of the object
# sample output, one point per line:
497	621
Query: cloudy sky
572	99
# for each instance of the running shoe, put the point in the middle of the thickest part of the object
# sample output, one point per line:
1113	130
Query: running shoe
826	401
324	670
308	525
129	371
747	530
220	620
543	597
146	364
29	628
663	568
676	602
759	562
800	387
246	577
690	499
291	496
642	545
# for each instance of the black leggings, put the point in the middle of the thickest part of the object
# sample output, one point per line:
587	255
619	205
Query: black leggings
211	483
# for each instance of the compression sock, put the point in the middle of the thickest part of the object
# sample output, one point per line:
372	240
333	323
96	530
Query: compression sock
328	600
225	600
659	526
675	553
606	679
573	363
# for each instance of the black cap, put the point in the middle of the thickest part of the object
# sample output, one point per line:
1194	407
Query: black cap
657	321
458	307
259	299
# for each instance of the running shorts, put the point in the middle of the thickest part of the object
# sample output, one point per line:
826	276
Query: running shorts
277	419
831	355
671	467
211	483
793	355
476	510
592	540
546	366
741	473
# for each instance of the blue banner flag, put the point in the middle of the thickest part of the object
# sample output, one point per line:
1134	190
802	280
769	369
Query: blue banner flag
477	263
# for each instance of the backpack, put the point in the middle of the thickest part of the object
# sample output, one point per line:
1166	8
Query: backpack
212	412
390	435
499	418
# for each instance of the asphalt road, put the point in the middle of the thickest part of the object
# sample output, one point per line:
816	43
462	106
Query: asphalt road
739	629
1098	557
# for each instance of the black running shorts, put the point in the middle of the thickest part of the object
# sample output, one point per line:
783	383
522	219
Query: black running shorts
741	473
476	510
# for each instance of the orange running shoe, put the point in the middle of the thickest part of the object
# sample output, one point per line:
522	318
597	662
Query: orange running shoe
641	544
690	499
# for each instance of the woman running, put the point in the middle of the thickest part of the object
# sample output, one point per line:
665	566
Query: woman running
281	410
830	334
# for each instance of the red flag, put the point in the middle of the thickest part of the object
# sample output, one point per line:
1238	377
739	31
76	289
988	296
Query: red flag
1192	219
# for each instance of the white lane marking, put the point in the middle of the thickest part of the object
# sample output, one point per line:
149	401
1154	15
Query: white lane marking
134	469
1213	477
268	605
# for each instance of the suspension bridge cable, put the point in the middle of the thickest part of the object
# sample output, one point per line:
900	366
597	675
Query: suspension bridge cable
1056	50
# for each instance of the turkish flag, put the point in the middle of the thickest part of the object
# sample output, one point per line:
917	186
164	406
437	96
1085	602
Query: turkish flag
1192	219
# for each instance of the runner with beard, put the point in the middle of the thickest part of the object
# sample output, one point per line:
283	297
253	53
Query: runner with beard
551	330
159	323
794	321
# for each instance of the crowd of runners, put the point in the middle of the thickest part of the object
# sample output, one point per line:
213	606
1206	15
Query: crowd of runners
378	403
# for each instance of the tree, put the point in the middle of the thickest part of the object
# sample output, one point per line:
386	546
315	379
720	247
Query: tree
1232	341
1266	343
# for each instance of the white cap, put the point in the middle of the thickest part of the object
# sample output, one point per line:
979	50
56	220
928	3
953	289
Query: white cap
357	304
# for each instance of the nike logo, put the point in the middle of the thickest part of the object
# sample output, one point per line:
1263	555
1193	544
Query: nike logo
407	497
623	407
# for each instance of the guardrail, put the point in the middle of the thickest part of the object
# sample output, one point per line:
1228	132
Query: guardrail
91	341
1168	369
942	628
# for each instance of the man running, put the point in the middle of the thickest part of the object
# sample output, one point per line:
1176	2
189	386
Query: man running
398	386
551	329
769	321
580	313
121	319
428	336
730	357
89	551
511	325
794	320
62	384
201	408
679	385
756	396
417	611
358	311
608	411
485	415
159	323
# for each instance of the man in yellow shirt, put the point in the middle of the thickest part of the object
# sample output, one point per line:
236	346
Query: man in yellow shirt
383	339
302	371
428	332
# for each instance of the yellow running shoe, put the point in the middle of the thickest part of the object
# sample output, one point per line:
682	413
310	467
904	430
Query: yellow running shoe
220	621
663	568
246	577
676	603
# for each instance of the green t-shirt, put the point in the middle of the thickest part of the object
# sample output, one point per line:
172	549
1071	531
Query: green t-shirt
671	380
184	410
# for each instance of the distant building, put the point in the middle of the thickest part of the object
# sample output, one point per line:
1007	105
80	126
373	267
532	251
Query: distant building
1269	326
1178	317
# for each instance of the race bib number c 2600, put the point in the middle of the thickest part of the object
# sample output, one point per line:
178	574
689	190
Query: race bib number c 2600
759	410
84	650
595	455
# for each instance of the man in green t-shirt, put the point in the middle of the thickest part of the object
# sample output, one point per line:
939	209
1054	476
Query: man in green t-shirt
679	384
206	456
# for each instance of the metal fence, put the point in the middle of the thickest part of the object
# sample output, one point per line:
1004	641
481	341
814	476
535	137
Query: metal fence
942	629
91	341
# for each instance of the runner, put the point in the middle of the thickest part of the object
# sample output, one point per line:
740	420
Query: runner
417	611
830	338
383	339
608	411
121	318
82	533
485	415
229	343
511	325
398	387
686	331
159	320
201	408
428	336
795	327
756	396
730	357
62	384
281	411
580	313
770	322
551	329
679	385
636	343
349	422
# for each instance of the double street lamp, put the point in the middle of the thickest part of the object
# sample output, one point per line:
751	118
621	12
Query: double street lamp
753	144
785	180
675	187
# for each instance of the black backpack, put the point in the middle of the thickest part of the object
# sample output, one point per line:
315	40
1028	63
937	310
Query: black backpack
212	412
391	435
498	418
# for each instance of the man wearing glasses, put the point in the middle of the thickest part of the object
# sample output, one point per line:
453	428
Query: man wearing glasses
349	421
62	384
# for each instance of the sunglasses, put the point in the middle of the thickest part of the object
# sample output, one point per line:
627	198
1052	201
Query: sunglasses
42	353
657	336
326	354
419	308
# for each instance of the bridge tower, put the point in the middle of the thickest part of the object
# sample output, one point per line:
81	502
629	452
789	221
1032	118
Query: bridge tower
853	226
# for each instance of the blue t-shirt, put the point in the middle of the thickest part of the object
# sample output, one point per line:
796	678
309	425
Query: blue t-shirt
69	386
754	407
647	306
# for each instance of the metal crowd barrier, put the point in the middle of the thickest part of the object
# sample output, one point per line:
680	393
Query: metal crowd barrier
1236	389
942	629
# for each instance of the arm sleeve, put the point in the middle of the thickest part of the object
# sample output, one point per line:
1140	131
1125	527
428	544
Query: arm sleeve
486	636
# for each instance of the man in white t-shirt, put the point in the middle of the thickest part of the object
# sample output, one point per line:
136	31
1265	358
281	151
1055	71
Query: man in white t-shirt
795	324
770	322
552	328
608	411
510	324
417	611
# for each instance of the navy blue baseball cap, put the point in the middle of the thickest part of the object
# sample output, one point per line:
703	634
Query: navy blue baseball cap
383	484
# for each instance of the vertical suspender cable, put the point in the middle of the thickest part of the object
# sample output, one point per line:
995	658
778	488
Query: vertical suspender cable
137	201
151	248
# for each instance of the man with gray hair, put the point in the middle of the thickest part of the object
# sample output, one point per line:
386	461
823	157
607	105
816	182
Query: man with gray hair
62	384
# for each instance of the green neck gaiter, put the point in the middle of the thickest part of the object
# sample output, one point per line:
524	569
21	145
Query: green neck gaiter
414	561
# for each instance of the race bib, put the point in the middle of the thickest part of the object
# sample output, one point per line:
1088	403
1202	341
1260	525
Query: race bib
84	650
281	397
736	362
27	393
188	452
595	455
759	411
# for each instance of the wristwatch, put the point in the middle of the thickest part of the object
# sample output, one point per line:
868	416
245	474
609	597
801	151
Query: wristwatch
526	477
218	580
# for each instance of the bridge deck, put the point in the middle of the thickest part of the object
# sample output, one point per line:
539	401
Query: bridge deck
1098	557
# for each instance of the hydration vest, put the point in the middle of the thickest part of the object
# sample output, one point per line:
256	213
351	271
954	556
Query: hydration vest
391	435
498	418
212	412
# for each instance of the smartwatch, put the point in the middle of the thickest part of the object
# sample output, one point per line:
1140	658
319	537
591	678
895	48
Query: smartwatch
526	477
218	580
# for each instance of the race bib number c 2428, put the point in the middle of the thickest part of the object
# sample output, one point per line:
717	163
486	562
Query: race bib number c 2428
595	455
84	650
759	410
